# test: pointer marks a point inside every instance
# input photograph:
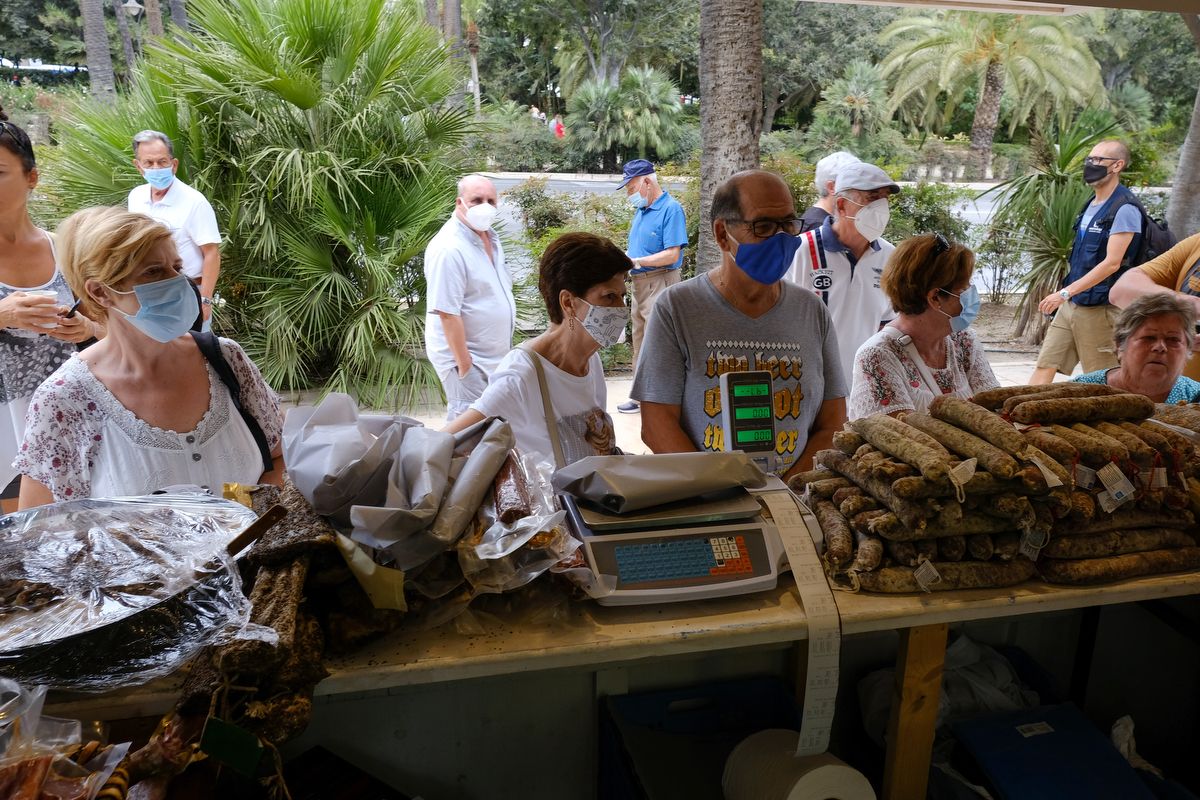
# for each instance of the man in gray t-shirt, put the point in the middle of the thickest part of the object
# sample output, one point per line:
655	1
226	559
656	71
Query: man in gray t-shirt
742	316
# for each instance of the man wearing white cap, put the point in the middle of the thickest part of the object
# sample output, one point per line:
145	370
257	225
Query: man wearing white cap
843	260
825	178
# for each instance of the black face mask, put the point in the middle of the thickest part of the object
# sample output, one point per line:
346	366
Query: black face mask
1094	173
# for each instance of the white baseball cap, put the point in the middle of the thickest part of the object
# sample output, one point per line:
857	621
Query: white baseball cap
829	167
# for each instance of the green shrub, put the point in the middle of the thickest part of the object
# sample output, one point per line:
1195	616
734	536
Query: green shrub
928	208
541	211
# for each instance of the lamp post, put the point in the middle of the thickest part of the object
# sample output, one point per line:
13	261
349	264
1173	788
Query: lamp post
134	9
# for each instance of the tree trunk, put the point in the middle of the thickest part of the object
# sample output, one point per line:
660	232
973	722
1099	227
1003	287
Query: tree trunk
126	39
452	34
433	17
731	107
95	43
154	24
1183	211
179	14
473	56
987	117
770	106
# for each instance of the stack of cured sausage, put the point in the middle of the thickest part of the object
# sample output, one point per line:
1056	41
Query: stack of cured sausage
971	494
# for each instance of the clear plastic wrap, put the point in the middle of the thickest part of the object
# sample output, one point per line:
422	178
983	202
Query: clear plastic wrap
45	757
99	594
500	557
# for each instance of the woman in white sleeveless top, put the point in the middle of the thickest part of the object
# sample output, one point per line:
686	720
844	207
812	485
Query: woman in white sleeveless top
35	336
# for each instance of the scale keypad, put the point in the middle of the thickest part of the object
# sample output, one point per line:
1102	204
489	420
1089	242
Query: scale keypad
717	556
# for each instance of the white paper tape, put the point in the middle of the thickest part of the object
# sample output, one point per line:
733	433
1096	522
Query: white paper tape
797	528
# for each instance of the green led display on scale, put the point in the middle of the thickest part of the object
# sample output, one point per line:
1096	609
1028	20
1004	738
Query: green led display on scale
753	412
755	436
752	390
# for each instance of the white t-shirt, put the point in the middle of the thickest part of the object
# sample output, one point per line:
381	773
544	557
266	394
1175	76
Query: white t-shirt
850	291
887	378
462	280
584	427
189	216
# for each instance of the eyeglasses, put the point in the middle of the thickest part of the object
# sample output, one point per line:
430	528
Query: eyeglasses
940	245
17	136
766	228
1099	159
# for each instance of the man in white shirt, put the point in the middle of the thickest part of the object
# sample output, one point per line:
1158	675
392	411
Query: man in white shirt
470	312
181	208
843	260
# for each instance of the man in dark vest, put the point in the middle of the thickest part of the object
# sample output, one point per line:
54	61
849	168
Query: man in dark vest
1106	236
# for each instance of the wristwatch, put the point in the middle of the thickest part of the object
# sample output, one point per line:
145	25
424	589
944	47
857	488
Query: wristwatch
205	301
1065	294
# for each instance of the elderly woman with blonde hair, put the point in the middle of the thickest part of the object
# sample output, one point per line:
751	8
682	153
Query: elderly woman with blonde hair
148	406
1152	337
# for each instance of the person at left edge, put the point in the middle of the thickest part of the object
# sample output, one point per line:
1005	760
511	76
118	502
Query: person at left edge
142	408
843	261
185	211
552	387
656	241
470	312
737	317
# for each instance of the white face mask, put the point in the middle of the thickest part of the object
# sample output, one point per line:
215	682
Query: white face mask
482	216
605	324
872	219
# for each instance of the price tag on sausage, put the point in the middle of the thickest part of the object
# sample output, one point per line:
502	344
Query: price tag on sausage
964	471
1085	477
1052	480
926	575
1115	483
1032	543
1158	478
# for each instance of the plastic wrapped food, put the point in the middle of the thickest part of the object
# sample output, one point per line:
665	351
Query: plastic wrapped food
98	594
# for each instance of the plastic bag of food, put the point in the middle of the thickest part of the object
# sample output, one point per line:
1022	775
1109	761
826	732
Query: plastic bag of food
99	594
496	556
45	757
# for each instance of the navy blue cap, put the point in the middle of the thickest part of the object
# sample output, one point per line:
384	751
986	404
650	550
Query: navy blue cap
635	169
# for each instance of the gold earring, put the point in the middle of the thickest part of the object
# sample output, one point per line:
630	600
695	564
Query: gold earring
572	323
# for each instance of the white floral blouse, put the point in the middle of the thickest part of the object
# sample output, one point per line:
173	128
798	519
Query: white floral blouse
81	442
886	379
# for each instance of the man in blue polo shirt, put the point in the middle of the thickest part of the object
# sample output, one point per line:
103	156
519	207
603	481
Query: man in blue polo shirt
656	241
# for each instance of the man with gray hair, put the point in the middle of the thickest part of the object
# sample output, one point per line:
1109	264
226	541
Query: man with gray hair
843	260
824	179
470	312
181	208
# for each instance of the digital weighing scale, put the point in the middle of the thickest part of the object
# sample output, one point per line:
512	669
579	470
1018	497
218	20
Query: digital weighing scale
691	550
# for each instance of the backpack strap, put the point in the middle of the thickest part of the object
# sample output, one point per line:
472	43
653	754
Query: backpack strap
547	406
210	348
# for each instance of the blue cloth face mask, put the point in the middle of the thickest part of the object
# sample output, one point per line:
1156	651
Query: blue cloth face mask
159	178
969	299
167	308
769	260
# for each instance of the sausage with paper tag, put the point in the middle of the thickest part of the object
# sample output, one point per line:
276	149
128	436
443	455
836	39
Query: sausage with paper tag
965	444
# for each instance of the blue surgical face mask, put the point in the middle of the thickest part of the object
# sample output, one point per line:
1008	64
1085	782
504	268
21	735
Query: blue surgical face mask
167	308
159	178
766	261
636	200
969	299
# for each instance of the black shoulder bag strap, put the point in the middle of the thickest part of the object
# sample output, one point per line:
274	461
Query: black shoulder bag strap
210	347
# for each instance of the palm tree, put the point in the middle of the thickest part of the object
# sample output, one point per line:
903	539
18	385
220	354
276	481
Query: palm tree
649	112
1038	62
99	60
179	14
1183	212
324	141
123	31
154	21
731	108
859	96
595	120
